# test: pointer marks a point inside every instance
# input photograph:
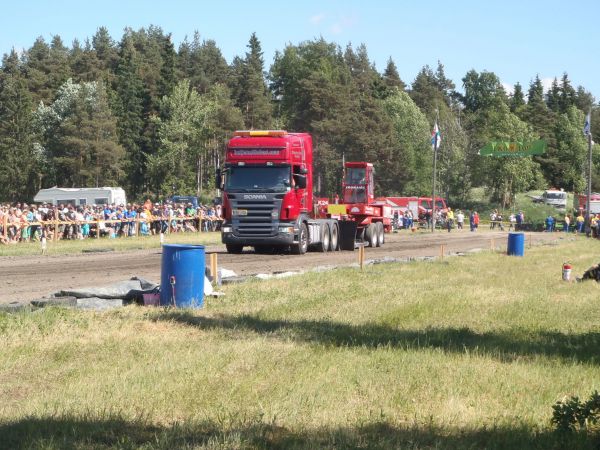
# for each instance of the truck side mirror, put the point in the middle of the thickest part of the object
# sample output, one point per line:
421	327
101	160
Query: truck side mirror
218	179
303	170
300	181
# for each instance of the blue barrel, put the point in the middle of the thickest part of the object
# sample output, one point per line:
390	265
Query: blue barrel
516	244
182	276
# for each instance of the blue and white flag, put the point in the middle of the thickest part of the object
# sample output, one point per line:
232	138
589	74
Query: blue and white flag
436	137
587	125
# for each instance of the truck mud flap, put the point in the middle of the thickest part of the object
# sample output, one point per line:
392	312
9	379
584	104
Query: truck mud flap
347	235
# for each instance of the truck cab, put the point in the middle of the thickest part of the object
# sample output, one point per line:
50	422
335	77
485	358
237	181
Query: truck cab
267	188
358	186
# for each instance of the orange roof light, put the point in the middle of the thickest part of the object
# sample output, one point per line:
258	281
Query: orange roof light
260	133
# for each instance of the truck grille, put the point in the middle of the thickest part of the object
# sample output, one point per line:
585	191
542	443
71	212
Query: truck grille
258	222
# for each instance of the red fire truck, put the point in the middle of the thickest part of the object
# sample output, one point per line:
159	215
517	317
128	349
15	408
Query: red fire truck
267	182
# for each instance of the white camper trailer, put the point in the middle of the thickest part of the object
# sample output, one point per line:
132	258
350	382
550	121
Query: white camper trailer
81	196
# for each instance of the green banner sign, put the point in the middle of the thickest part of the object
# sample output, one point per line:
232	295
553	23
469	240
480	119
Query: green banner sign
517	148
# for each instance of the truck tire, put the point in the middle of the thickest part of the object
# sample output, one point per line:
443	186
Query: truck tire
333	237
323	246
380	234
234	249
371	235
302	245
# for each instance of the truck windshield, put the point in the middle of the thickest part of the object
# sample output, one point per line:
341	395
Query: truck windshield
258	178
556	195
355	175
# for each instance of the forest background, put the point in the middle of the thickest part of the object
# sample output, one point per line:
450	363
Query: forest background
154	119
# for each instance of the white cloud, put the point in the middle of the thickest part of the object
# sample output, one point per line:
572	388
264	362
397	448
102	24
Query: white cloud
317	19
343	24
336	28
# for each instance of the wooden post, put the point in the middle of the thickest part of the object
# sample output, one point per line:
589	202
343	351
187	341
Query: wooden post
361	255
98	228
530	240
55	234
442	251
5	227
492	245
213	266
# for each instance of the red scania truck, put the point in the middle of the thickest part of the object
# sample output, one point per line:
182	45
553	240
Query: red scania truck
267	186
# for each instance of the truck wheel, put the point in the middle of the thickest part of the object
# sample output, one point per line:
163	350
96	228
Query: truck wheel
235	249
302	245
380	234
323	246
333	234
371	235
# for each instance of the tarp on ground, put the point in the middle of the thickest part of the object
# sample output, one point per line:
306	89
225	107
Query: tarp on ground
127	290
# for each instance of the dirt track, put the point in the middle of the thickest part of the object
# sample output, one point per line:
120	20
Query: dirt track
30	277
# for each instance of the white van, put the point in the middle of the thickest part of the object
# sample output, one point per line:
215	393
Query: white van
81	196
556	198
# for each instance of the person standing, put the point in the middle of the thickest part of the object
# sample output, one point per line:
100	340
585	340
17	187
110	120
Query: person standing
567	223
460	219
520	219
476	220
580	222
450	219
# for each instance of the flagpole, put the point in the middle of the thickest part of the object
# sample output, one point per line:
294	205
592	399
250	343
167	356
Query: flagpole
588	228
435	151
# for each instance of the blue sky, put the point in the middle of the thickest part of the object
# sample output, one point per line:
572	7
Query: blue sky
514	39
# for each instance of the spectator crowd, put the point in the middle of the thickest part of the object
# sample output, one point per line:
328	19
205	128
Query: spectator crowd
21	222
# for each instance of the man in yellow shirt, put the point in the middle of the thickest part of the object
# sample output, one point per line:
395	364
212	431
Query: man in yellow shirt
450	219
580	222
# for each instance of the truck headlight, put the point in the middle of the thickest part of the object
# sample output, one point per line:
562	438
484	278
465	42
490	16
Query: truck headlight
289	230
226	229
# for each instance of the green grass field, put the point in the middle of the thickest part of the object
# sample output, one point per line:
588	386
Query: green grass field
465	353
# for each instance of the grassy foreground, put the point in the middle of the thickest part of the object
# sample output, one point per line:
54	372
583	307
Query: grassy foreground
467	353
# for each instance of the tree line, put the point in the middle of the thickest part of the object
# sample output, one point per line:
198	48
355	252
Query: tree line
141	114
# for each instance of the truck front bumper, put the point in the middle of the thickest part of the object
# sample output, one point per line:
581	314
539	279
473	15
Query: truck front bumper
286	235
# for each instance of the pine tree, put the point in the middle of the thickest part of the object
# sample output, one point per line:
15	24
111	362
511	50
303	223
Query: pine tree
535	94
90	154
567	94
444	84
36	74
584	100
106	50
18	171
167	71
391	77
517	100
425	91
130	111
254	98
184	60
542	120
553	97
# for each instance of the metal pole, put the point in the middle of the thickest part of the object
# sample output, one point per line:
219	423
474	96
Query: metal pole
588	229
435	149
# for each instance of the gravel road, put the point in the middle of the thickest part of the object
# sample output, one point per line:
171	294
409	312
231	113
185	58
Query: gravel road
29	277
